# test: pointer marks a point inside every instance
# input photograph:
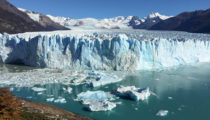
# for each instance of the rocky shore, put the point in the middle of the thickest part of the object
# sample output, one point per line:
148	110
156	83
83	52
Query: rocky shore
13	108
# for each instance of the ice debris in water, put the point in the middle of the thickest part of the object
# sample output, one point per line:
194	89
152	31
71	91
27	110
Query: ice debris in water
50	99
133	93
37	89
39	93
29	78
58	100
100	78
170	98
68	89
162	113
97	100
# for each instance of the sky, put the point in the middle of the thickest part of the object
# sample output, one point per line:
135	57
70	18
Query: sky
110	8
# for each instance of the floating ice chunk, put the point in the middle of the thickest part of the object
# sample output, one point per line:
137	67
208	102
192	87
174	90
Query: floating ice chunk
11	89
96	100
162	113
100	79
29	97
69	89
39	93
103	105
181	107
133	93
50	99
60	100
170	98
98	95
37	89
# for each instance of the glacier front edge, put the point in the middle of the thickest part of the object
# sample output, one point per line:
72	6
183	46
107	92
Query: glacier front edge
105	49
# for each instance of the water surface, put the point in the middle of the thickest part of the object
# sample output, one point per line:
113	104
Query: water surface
184	91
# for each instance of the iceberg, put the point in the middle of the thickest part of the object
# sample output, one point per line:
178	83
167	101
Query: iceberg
37	89
133	93
162	113
60	100
105	49
50	99
97	100
68	89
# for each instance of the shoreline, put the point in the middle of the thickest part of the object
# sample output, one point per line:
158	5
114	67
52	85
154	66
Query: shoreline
12	107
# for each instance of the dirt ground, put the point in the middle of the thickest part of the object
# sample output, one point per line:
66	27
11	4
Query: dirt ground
13	108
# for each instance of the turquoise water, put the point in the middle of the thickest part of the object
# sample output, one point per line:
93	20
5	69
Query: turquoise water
184	91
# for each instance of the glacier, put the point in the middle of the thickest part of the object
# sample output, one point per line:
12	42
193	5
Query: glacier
104	49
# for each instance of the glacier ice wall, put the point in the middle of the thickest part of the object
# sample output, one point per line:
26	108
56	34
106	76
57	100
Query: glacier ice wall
105	50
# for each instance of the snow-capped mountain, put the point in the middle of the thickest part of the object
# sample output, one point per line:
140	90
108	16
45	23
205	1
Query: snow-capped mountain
119	22
43	20
149	21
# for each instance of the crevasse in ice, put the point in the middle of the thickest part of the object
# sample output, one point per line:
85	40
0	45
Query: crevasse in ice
105	50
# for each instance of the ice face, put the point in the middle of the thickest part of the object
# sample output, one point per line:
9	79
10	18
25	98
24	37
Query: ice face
105	50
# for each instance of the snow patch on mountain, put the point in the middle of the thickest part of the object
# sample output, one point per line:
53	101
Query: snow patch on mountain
33	15
119	22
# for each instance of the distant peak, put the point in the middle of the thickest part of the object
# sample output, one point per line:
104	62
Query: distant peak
153	15
156	14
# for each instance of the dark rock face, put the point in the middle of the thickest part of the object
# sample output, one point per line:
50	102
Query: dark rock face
146	24
47	23
13	20
149	23
197	22
135	21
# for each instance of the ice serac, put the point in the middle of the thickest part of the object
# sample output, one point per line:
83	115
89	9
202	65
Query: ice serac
105	49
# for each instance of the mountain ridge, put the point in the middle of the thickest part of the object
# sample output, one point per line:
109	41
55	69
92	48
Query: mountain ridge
196	22
13	21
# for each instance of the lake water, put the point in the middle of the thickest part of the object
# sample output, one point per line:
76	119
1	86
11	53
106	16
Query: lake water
184	91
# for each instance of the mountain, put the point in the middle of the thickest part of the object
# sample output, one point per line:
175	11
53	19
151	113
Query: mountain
43	20
13	20
197	22
149	21
119	22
